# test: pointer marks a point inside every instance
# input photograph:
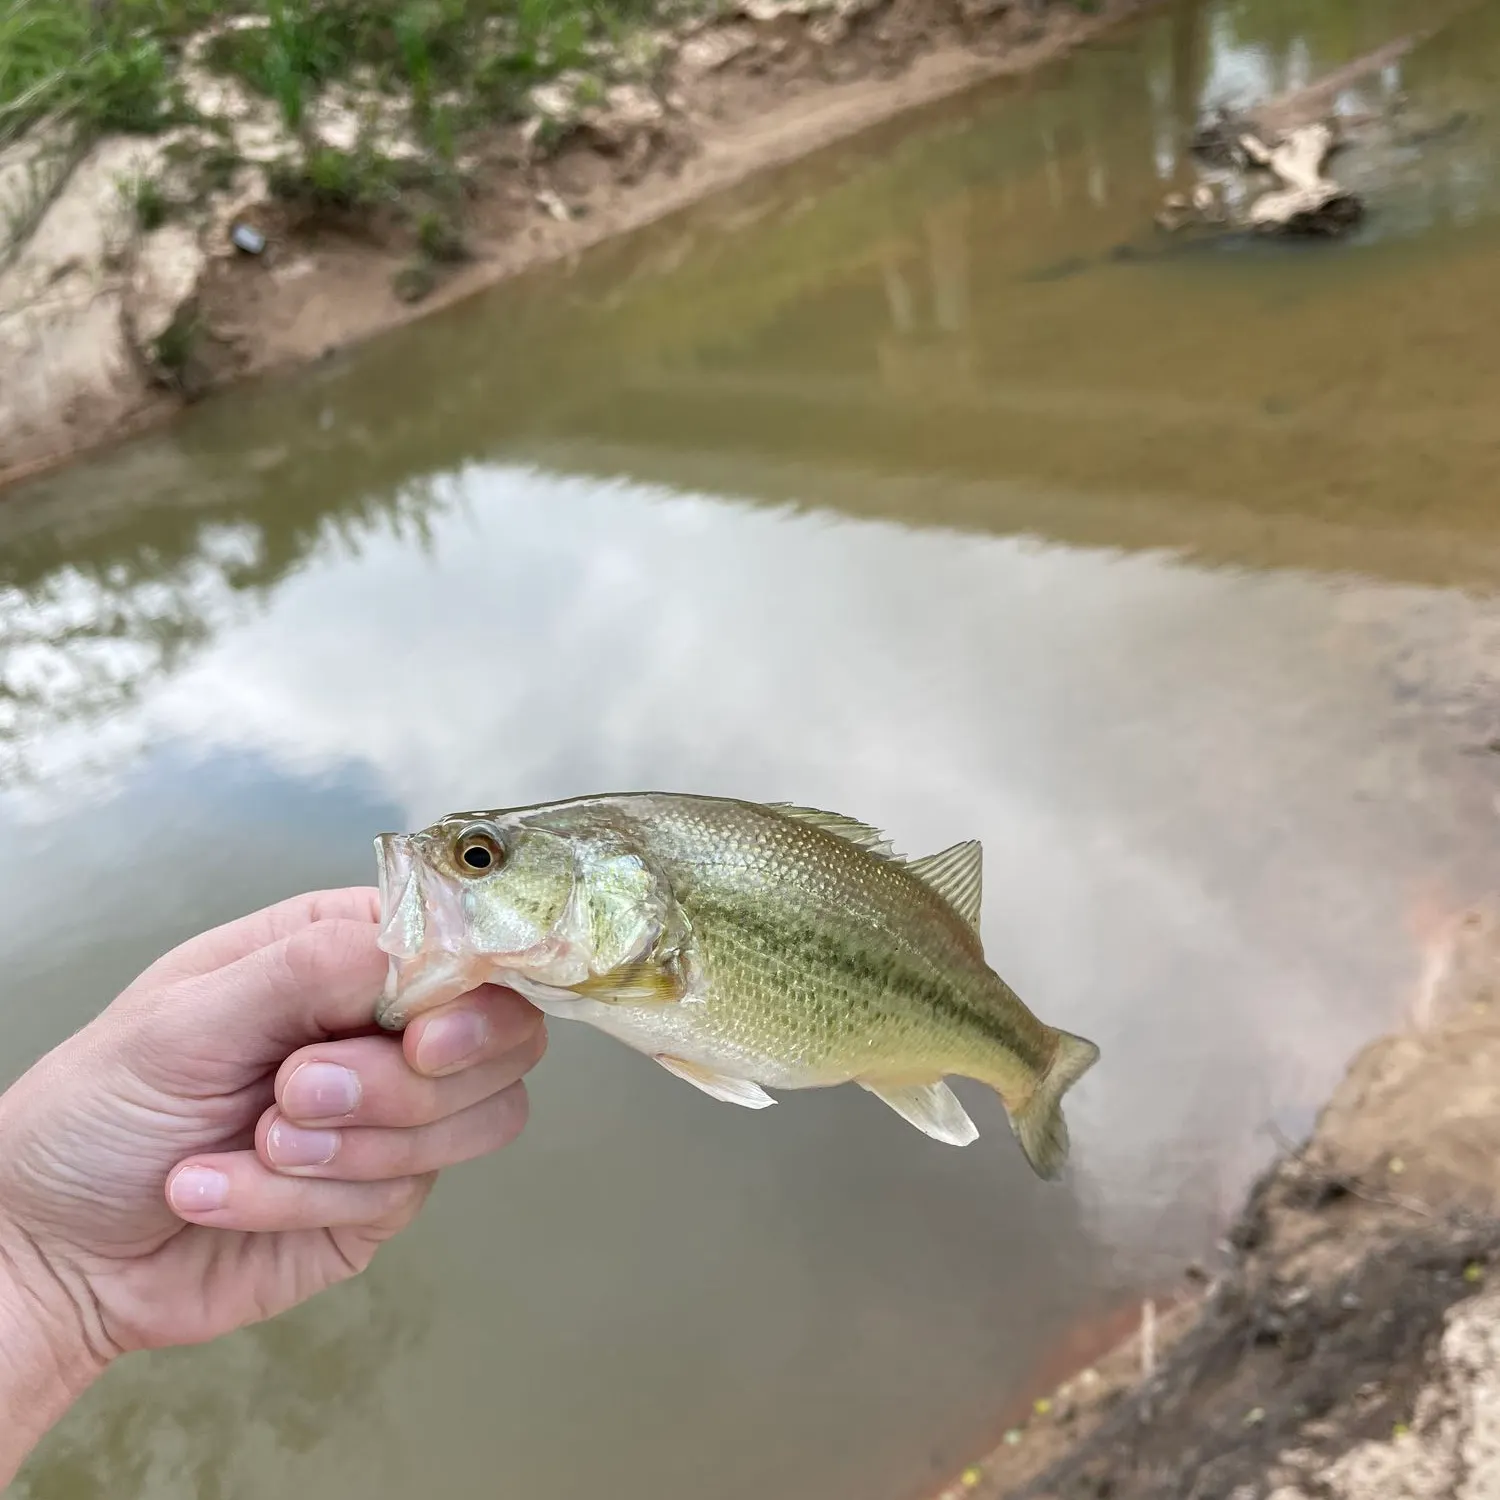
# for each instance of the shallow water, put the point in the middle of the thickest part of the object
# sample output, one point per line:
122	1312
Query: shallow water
891	483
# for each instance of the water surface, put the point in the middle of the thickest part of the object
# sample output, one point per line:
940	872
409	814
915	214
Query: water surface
924	482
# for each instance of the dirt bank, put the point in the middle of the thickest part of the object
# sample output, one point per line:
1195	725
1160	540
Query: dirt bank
1348	1348
150	328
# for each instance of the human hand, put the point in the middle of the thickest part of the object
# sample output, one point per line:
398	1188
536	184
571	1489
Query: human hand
232	1135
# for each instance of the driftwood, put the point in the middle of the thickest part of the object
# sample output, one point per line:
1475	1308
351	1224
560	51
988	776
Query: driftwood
1307	202
1291	138
1300	200
1217	141
1314	101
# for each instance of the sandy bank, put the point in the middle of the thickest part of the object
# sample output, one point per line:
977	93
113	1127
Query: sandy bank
1348	1348
105	329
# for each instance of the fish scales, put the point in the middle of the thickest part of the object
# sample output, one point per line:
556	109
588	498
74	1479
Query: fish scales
742	945
828	954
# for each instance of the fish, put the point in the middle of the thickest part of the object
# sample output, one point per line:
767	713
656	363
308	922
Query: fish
745	946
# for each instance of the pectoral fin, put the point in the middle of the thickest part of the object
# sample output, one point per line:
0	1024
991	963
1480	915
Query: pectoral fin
650	982
932	1107
718	1085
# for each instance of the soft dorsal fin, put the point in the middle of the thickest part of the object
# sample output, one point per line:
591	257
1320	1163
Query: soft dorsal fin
849	829
957	875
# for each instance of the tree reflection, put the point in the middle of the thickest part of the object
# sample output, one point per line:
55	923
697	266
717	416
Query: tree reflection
925	259
217	1421
95	608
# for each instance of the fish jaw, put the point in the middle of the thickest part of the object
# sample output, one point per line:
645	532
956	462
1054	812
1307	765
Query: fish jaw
427	929
421	931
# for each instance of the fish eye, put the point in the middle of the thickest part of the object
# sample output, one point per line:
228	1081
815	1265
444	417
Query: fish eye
479	850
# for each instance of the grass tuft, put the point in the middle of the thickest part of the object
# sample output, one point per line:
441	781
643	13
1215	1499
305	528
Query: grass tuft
147	201
110	63
439	239
328	179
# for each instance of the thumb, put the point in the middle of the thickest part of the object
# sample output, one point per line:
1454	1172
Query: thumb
317	982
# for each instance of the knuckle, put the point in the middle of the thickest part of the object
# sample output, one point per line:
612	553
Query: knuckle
387	1195
512	1019
407	1194
515	1110
303	953
426	1103
411	1107
398	1156
523	1055
539	1041
325	947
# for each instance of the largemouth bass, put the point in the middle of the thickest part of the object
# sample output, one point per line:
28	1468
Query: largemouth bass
744	946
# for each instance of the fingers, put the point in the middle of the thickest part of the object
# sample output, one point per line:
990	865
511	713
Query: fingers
477	1046
358	1110
371	1155
236	1190
483	1023
316	982
233	940
356	1113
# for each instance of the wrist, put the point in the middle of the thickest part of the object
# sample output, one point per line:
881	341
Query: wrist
46	1359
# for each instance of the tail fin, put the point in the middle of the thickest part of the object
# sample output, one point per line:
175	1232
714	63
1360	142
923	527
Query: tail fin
1039	1123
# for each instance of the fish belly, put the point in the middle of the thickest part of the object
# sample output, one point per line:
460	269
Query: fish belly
685	1030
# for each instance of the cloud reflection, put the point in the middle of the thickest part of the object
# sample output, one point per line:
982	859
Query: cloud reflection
1165	765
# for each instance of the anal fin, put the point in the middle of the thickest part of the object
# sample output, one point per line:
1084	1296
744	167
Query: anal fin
932	1107
717	1085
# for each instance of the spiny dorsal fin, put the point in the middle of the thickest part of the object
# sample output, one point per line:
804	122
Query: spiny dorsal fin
956	874
849	829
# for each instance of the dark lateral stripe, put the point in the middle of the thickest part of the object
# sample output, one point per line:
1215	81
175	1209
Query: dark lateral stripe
787	934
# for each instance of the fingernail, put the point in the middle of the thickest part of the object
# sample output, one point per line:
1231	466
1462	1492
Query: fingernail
450	1040
321	1091
199	1190
289	1146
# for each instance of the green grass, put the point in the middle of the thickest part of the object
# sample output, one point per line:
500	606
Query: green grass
301	48
217	166
174	349
328	179
147	200
439	239
111	63
110	68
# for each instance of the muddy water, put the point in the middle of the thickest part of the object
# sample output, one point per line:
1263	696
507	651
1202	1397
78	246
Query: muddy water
924	482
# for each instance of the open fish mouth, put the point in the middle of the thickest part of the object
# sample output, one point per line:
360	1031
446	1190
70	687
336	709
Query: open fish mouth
402	925
421	929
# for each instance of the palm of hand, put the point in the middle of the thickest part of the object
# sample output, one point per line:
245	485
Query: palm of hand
191	1071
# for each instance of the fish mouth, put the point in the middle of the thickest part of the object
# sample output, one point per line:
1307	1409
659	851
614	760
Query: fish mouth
421	930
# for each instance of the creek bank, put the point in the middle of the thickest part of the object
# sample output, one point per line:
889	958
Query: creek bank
1348	1348
145	271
